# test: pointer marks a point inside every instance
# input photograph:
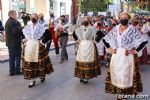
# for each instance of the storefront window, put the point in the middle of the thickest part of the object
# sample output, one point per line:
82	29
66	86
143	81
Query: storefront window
22	5
51	5
18	5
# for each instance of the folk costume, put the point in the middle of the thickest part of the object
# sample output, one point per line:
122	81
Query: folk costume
36	62
123	76
100	45
146	31
87	63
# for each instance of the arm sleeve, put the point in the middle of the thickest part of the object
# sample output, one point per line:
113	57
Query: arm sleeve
141	46
106	44
99	36
16	28
75	36
46	36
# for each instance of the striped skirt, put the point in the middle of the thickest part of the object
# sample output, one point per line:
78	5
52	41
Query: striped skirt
38	69
88	70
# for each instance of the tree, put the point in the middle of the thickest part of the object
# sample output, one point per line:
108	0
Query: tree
140	5
94	5
74	11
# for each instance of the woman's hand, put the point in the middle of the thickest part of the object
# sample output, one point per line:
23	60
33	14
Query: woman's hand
95	42
41	42
132	51
78	41
112	51
24	41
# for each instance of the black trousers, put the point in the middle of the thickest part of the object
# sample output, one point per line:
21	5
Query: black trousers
14	59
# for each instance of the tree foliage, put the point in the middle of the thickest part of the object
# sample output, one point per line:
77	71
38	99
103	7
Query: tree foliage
94	5
137	6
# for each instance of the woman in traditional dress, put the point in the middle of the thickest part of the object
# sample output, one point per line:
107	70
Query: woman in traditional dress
36	62
146	31
100	45
124	42
143	57
87	64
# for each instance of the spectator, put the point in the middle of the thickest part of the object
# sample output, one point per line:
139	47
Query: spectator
62	29
13	41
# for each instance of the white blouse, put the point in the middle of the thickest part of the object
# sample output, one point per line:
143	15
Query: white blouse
35	32
129	39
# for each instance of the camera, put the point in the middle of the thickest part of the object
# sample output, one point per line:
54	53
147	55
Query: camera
25	17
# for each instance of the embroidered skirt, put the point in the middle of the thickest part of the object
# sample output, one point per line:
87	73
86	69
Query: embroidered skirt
144	57
137	83
88	70
38	69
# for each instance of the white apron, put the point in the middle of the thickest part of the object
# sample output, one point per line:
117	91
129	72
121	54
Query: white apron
85	51
122	69
31	51
100	48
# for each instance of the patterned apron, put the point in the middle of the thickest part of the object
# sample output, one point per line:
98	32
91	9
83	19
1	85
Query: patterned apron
122	69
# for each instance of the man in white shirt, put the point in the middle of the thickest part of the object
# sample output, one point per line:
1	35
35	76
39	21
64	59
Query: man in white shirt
63	29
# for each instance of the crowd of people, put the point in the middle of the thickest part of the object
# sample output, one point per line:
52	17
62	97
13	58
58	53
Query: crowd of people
124	43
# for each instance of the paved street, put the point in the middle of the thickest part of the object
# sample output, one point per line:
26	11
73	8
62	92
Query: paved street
60	85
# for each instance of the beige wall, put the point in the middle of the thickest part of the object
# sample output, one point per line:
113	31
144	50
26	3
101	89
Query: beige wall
40	7
28	6
5	8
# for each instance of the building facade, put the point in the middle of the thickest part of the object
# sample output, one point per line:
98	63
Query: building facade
59	7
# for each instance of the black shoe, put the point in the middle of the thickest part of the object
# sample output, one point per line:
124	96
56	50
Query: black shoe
81	80
43	80
32	84
11	74
85	81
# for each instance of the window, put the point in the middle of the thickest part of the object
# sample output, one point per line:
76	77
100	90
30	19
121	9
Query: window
62	8
18	5
51	5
